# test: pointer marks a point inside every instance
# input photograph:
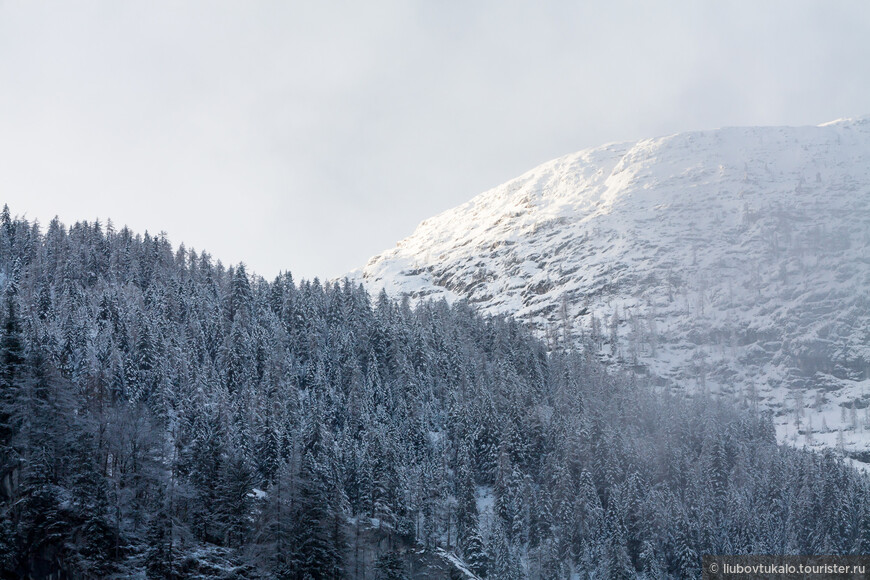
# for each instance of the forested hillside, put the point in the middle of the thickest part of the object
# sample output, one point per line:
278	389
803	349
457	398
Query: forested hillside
162	415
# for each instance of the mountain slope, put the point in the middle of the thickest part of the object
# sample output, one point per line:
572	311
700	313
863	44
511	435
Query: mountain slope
734	260
164	416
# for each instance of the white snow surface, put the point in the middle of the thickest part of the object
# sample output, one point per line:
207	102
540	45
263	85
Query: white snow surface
735	260
457	564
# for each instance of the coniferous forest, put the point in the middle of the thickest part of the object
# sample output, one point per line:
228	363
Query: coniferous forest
165	416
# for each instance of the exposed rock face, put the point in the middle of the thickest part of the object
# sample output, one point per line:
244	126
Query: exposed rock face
735	260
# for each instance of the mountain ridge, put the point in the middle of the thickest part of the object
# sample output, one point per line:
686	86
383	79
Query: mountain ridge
728	259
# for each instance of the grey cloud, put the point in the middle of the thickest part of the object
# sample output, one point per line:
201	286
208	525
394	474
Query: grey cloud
309	136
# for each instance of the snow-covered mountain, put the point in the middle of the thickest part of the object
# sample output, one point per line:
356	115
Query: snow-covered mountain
735	260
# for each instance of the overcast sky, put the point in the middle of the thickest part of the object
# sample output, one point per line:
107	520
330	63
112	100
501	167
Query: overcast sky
309	136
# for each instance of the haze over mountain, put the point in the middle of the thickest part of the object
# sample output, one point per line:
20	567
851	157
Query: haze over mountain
734	260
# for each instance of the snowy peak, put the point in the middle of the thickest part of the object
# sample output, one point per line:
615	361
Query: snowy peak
733	259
